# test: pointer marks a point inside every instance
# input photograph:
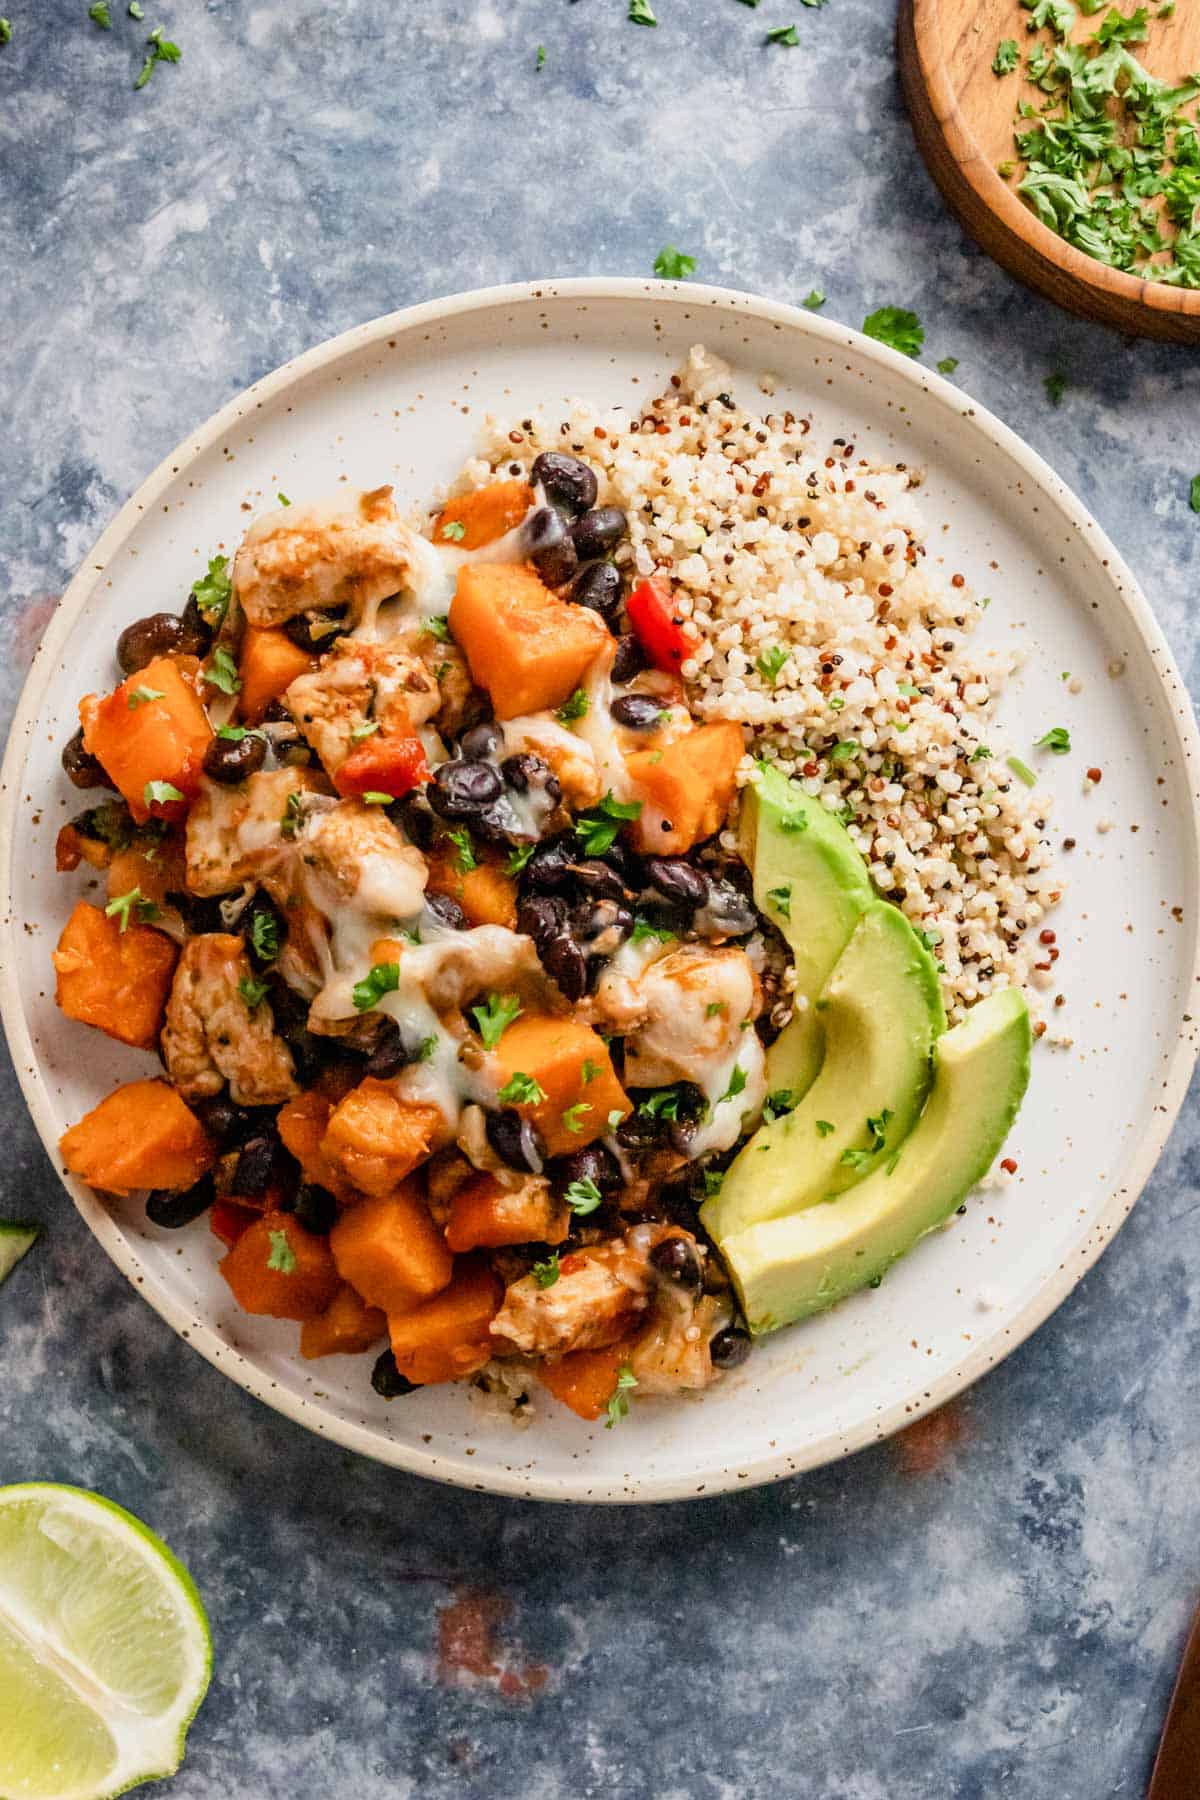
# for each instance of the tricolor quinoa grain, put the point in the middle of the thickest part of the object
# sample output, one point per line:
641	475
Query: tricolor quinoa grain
827	628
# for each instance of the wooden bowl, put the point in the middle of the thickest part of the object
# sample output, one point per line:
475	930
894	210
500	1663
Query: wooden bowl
962	116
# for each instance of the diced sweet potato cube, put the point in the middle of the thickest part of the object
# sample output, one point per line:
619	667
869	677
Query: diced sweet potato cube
374	1138
278	1268
228	1219
269	664
390	1251
486	894
527	647
141	740
571	1065
586	1380
485	1215
484	515
113	979
447	1337
302	1123
141	1136
346	1327
687	787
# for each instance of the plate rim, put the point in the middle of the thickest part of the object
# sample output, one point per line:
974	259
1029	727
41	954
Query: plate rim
455	1468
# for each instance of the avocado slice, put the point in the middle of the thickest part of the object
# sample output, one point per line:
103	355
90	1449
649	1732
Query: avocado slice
880	1012
810	881
789	1268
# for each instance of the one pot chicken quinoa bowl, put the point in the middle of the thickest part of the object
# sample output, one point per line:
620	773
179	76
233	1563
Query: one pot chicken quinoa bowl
583	927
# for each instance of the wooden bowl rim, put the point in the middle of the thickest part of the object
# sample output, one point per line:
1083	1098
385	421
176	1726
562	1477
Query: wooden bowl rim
1010	212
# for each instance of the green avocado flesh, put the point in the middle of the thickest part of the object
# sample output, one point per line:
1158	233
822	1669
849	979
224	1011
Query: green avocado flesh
880	1013
15	1239
790	1267
806	866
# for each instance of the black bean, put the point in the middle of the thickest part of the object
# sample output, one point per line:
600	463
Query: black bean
525	771
314	631
627	863
566	964
677	881
598	880
592	1163
387	1380
201	912
412	814
550	548
447	911
172	1209
464	790
603	927
639	1133
565	479
232	760
516	1141
678	1259
226	1124
276	713
481	741
394	1050
197	633
315	1208
727	912
255	1166
81	769
637	712
598	532
156	635
542	917
551	865
729	1348
599	587
498	823
264	928
630	659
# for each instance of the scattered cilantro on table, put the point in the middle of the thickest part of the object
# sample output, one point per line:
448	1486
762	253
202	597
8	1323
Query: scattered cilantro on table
1007	57
785	34
1055	386
673	264
641	13
1194	494
897	327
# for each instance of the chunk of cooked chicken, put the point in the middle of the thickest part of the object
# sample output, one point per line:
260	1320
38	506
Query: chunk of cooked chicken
673	1349
598	1296
571	758
358	868
327	555
361	684
235	834
448	666
682	1014
213	1035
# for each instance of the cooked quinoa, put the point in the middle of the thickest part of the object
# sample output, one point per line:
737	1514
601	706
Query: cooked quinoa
846	648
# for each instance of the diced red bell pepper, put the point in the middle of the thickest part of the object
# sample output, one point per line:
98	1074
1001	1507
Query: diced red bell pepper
667	640
227	1220
383	765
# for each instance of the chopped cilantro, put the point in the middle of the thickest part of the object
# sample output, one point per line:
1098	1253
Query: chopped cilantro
213	590
614	1119
135	10
384	978
589	1071
947	365
598	828
140	696
436	626
1115	28
367	729
980	753
897	327
618	1400
160	793
844	751
455	530
1194	494
293	812
785	34
641	13
778	1103
252	992
540	64
1055	386
583	1196
99	15
877	1139
1006	58
574	708
814	299
673	264
737	1085
714	1008
264	935
221	671
663	1103
464	849
1022	771
123	905
282	1257
714	1180
426	1048
494	1016
519	858
159	49
572	1118
643	931
521	1090
546	1273
283	499
376	797
781	899
824	1127
1057	739
5	31
771	662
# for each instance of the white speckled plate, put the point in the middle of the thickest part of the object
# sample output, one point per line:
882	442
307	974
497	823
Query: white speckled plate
399	400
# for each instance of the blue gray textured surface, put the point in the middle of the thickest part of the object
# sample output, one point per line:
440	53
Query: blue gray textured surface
992	1606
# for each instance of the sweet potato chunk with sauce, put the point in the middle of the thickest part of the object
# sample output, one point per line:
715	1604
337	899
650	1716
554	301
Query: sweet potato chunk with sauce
143	740
390	1251
571	1065
269	664
484	1215
486	894
447	1337
484	515
374	1139
302	1123
586	1380
278	1268
687	788
113	979
347	1327
155	876
142	1136
528	648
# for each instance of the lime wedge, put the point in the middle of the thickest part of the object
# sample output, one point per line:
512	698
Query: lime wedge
105	1652
15	1239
